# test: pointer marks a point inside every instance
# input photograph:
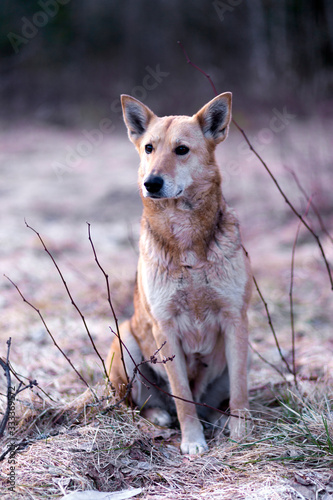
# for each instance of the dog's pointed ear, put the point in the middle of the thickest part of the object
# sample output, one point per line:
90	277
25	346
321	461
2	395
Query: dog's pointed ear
214	118
136	117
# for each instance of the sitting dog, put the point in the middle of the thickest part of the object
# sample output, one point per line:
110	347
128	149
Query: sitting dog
193	280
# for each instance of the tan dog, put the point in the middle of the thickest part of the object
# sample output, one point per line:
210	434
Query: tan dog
193	281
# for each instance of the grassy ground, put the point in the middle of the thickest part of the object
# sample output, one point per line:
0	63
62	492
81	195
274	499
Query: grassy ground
67	442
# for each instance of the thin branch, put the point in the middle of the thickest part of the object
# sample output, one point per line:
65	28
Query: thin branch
32	383
269	318
17	446
286	199
11	395
153	359
9	343
197	67
70	297
268	362
291	299
5	366
137	370
271	325
18	378
270	174
313	206
52	337
110	304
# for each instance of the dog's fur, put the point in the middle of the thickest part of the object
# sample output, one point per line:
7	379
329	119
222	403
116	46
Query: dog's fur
193	281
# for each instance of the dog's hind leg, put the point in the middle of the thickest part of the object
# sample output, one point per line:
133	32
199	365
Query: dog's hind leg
216	394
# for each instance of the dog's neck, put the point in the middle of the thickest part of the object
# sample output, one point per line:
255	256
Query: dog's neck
183	228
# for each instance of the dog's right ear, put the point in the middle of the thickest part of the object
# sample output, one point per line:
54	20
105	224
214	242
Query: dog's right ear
136	117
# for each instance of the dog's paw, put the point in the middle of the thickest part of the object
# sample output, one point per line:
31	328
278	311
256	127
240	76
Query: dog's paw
193	447
240	426
157	416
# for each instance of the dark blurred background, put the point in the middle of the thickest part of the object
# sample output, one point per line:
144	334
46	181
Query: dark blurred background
66	61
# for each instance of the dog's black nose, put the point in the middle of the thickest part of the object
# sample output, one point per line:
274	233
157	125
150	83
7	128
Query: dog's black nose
154	184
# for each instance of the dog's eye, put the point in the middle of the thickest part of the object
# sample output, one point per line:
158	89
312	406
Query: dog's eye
181	150
149	148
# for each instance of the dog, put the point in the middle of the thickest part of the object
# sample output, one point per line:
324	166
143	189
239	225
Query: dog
193	282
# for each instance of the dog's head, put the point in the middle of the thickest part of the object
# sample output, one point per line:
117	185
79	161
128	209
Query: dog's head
176	151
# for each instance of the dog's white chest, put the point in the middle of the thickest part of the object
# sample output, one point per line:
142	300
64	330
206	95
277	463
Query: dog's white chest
195	310
194	303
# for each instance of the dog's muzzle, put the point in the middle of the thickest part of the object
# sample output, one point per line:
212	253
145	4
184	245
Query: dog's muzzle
154	185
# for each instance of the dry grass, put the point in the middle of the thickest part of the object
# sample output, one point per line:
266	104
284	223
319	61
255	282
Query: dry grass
117	449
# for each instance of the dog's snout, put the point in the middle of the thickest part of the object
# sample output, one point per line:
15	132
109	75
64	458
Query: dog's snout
154	184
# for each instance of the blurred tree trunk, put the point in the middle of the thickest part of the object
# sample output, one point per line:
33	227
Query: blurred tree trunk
328	5
258	40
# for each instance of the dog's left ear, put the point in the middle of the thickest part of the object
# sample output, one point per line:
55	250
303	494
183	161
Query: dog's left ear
214	118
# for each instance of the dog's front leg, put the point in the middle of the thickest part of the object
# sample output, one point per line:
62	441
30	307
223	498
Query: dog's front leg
193	440
236	338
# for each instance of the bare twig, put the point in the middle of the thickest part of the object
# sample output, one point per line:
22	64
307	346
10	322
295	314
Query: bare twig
52	337
5	366
291	299
271	325
166	393
110	303
70	297
153	359
18	378
269	318
312	204
197	67
11	395
268	362
286	199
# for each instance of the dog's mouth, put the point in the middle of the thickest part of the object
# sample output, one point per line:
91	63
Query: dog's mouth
154	196
162	196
